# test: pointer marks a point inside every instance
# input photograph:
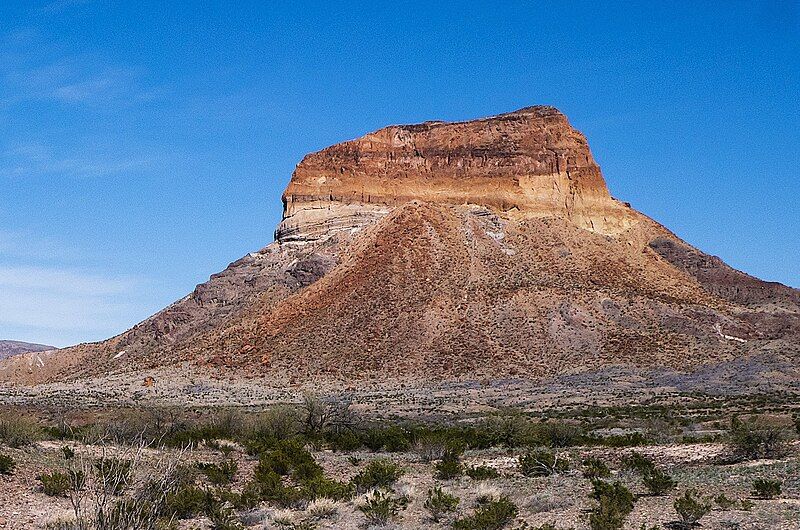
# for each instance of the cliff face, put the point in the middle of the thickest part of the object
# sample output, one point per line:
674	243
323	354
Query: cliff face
528	163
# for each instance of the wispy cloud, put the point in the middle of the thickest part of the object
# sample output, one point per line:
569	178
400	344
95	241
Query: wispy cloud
35	159
59	303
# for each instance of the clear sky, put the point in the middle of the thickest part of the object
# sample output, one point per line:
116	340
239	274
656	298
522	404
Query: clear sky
145	145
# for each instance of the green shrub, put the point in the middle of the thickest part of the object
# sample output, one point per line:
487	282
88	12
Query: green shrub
594	468
54	484
219	474
7	465
380	473
657	482
614	504
690	509
18	431
631	439
724	502
638	462
449	466
481	472
440	503
766	489
491	515
323	487
757	438
381	506
189	501
541	464
68	453
268	485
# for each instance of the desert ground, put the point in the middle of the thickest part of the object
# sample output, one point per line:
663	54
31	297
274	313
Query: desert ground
301	460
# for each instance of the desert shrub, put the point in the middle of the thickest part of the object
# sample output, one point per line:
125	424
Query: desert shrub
541	463
430	447
7	464
268	486
380	507
68	453
54	484
557	434
594	468
766	489
113	474
323	487
756	438
631	439
491	515
439	503
450	465
690	509
481	472
219	474
342	440
380	473
724	502
266	430
18	431
189	501
638	462
657	482
614	504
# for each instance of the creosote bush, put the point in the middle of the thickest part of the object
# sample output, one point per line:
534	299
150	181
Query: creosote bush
766	489
594	468
490	515
7	464
690	509
381	473
756	438
655	480
438	503
450	466
614	504
380	507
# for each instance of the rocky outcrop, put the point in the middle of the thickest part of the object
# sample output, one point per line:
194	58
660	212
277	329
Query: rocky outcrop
528	163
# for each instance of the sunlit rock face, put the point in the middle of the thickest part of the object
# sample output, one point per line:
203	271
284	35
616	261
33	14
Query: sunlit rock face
528	163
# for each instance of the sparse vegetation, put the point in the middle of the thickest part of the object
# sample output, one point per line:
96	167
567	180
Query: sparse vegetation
766	489
54	484
7	464
481	472
756	438
450	466
490	515
614	504
380	473
690	509
379	507
438	503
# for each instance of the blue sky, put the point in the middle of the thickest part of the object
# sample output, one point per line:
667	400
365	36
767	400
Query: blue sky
145	145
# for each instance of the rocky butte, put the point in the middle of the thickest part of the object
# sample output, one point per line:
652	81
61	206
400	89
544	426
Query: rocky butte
479	250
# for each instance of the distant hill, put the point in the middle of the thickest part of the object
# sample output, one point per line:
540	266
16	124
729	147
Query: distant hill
9	348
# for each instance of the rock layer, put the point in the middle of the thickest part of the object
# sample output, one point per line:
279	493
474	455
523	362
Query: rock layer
531	163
